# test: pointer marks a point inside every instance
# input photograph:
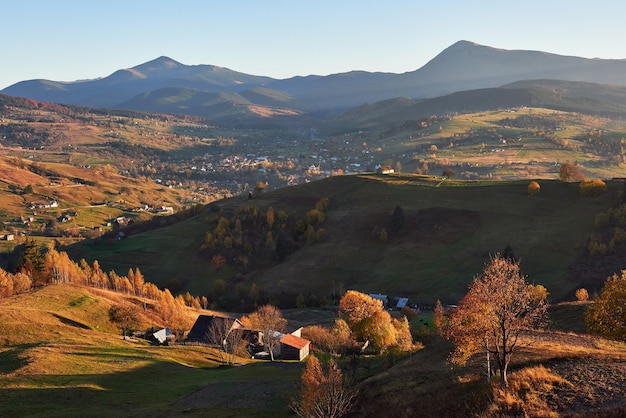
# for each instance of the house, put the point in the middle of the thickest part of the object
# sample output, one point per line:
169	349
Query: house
160	336
383	298
294	348
384	169
399	302
212	329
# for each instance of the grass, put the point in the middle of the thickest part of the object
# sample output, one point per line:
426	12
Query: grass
451	227
59	356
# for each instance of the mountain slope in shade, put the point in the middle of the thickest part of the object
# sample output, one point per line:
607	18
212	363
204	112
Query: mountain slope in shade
588	98
245	107
460	67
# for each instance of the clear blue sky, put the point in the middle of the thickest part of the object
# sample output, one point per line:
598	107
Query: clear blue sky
68	40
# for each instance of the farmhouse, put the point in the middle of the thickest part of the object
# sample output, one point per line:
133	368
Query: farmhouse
383	298
209	329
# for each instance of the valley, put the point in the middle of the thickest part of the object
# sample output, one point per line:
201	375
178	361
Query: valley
183	191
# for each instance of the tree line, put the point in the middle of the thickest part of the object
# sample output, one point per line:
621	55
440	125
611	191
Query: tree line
38	267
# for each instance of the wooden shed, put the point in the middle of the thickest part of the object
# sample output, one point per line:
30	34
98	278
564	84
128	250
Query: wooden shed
294	348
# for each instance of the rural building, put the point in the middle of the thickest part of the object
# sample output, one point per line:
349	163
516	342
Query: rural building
294	348
399	302
208	328
383	298
385	169
160	336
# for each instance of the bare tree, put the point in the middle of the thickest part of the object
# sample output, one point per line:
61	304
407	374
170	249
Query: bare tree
227	334
499	306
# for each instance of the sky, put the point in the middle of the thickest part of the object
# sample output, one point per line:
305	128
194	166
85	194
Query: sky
68	40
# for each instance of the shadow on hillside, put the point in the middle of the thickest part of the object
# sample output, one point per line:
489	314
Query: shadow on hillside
157	389
12	360
70	322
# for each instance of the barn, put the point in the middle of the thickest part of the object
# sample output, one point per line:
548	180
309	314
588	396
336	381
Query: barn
294	348
212	329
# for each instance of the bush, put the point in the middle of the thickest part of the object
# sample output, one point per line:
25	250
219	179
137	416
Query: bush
592	187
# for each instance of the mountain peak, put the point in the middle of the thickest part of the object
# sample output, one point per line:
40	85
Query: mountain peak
161	63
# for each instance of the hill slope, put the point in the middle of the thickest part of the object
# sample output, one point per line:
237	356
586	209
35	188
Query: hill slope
449	230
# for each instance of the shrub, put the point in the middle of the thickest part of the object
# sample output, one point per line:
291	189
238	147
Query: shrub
582	295
592	187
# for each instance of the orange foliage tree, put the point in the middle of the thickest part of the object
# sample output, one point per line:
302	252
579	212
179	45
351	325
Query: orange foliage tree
533	188
323	395
498	307
570	172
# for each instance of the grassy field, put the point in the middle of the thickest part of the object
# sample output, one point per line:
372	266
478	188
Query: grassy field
59	357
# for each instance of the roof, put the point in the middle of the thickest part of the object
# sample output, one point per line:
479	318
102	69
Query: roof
205	322
401	302
293	341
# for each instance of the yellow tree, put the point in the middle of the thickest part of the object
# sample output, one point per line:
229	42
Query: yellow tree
370	323
606	316
498	307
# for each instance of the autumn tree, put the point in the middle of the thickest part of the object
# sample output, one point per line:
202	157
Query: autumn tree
606	316
323	394
570	172
498	307
269	320
582	295
533	188
370	323
592	188
448	173
125	316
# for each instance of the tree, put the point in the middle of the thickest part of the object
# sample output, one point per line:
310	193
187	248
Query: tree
498	307
448	173
582	295
533	188
606	316
125	316
269	320
592	188
323	395
228	334
370	323
570	172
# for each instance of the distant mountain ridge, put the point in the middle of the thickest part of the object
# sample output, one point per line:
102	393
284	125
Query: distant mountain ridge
460	67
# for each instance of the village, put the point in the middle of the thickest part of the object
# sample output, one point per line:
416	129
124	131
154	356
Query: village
278	339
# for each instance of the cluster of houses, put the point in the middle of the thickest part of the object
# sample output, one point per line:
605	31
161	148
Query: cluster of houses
291	345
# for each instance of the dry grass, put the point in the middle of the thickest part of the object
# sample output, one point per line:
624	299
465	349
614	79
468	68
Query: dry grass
526	394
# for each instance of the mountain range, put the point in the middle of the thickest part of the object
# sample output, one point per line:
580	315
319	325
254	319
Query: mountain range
164	85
